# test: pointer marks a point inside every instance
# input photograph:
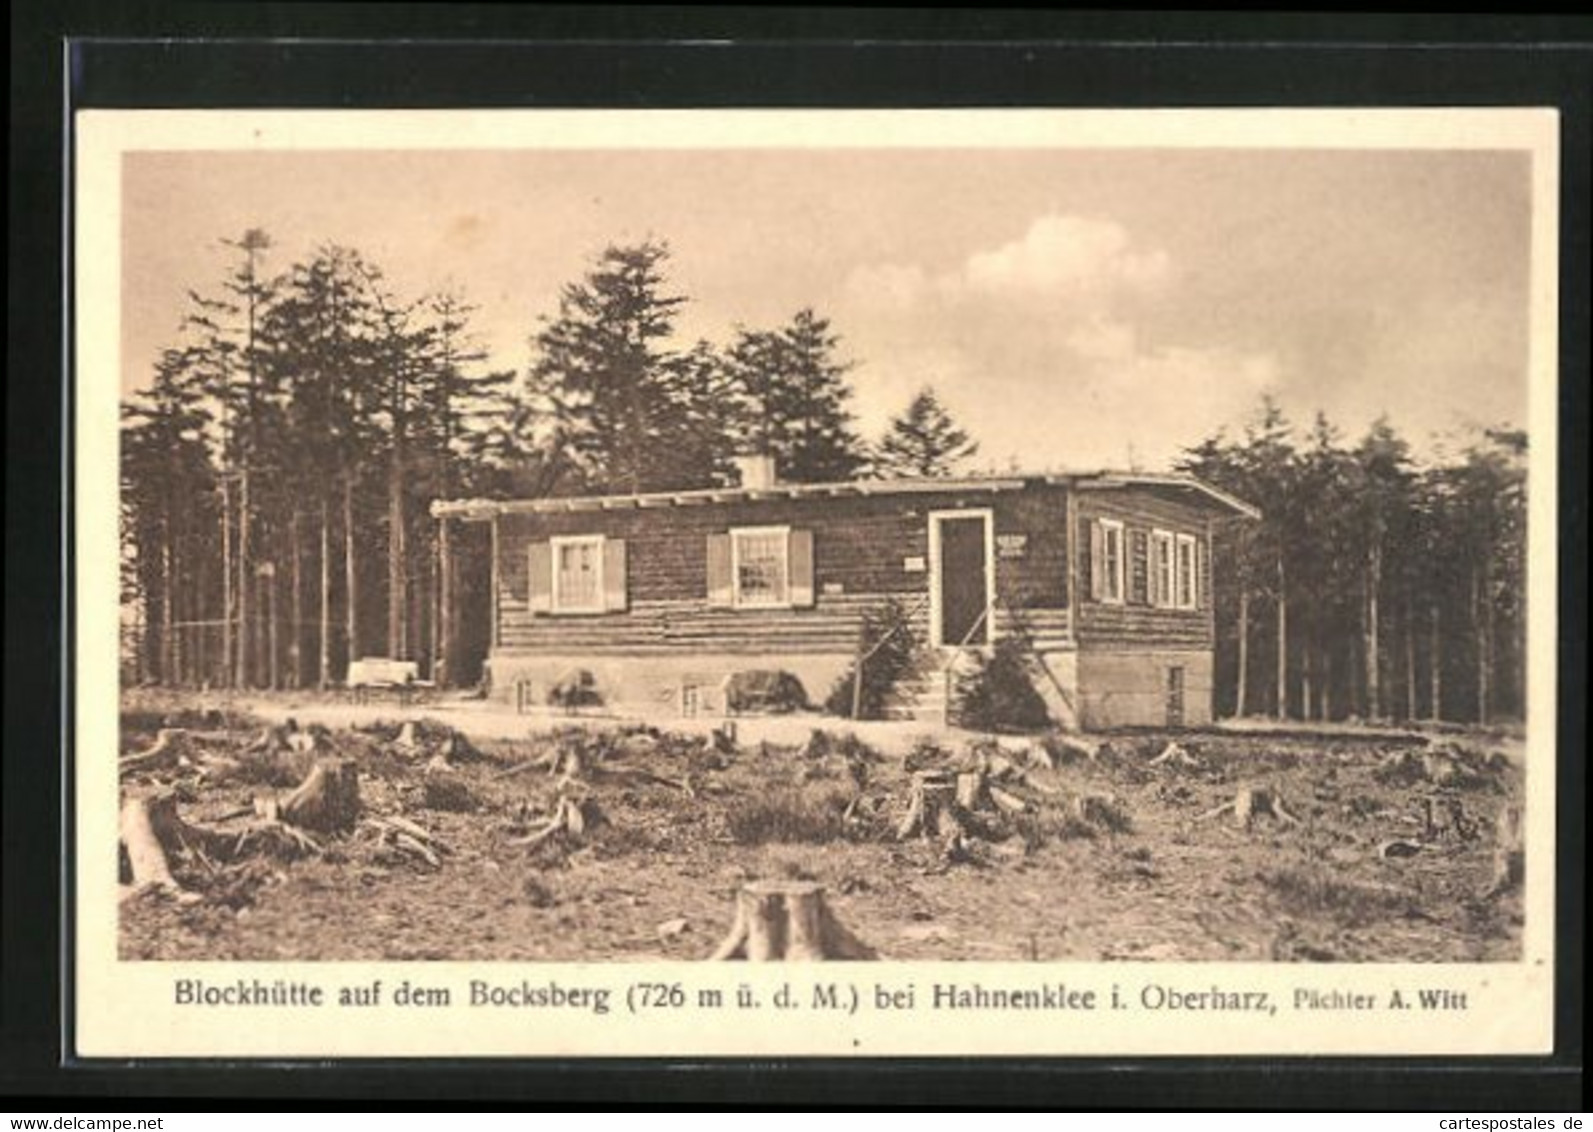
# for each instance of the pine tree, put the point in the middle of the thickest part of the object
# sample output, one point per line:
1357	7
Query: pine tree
604	375
166	488
923	441
326	332
231	348
463	402
1327	567
791	395
1382	492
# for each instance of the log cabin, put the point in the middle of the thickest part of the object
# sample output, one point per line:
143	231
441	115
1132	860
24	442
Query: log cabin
1106	578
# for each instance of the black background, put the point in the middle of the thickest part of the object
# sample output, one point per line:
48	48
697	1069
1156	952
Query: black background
348	55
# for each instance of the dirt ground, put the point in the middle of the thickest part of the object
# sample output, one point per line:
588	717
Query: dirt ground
1382	849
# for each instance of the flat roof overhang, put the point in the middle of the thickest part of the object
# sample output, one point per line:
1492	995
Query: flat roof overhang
1187	488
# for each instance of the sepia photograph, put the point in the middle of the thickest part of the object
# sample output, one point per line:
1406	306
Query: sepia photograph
981	538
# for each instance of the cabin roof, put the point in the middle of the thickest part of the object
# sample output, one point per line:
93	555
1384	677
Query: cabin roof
1186	487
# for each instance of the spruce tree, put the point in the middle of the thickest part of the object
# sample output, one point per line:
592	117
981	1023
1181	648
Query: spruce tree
792	400
604	375
923	441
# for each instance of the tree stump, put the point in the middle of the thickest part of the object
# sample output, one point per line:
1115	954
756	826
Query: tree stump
1252	802
166	750
929	809
148	825
1177	756
327	801
970	790
788	920
151	831
1509	855
1444	818
1099	811
568	824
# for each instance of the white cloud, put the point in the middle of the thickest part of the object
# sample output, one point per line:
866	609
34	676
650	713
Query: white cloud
1066	254
1077	259
1049	327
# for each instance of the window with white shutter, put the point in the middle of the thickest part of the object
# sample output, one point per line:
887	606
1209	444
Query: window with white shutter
1111	583
1162	568
1187	585
578	574
761	566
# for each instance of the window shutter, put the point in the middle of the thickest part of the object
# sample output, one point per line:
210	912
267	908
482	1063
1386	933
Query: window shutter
1139	567
540	563
719	591
1202	574
614	582
801	551
1097	560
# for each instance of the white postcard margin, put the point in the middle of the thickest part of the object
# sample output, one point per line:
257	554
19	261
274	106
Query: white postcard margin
133	1009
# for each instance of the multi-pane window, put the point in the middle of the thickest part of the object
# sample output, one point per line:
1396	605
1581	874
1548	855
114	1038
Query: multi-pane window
1187	584
578	574
1161	568
761	566
1111	560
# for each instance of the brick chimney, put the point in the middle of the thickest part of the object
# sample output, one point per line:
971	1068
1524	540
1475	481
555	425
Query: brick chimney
756	470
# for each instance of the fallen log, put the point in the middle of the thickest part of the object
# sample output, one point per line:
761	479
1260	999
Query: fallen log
416	840
788	920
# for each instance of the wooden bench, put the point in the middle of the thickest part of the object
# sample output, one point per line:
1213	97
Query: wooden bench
382	675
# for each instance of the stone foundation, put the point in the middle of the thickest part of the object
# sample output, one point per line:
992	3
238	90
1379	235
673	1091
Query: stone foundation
657	685
1129	688
1091	689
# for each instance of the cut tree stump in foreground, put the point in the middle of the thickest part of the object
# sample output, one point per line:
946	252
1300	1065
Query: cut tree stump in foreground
147	825
327	801
788	920
167	748
1509	855
1251	802
929	809
571	818
150	831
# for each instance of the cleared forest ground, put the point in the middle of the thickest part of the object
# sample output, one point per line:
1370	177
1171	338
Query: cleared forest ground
628	842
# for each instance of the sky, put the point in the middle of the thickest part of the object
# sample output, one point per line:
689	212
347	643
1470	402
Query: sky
1072	308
